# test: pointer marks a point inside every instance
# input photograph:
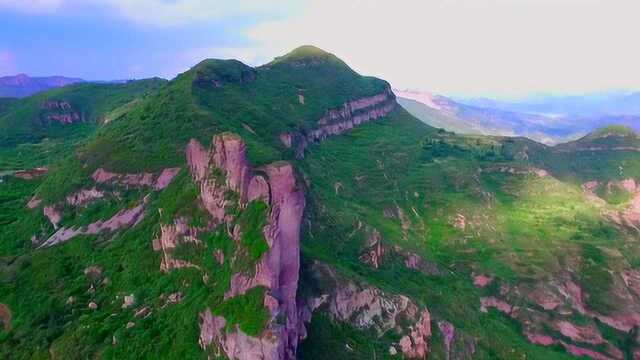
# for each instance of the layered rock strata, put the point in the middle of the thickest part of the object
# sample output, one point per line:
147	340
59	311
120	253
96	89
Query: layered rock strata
338	120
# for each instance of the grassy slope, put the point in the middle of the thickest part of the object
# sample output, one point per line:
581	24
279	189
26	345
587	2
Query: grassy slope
28	140
522	225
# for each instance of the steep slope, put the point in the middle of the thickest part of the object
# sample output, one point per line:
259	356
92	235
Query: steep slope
294	210
22	85
38	129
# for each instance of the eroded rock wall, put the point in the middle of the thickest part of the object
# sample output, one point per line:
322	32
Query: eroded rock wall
224	167
338	120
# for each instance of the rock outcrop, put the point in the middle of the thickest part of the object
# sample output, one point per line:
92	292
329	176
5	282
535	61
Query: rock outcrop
369	308
124	218
158	182
171	236
550	305
338	120
31	173
83	197
224	167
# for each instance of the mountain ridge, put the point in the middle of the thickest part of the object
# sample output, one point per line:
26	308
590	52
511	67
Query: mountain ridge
293	210
23	85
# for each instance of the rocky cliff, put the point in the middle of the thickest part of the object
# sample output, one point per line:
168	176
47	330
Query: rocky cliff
338	120
223	168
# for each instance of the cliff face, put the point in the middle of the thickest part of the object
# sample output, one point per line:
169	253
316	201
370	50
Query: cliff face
277	269
338	120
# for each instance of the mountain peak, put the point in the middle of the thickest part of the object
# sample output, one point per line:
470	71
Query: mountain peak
307	55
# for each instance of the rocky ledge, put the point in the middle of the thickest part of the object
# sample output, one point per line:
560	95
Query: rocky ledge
338	120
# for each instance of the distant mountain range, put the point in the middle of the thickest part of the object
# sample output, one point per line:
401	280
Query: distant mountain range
549	120
577	106
23	85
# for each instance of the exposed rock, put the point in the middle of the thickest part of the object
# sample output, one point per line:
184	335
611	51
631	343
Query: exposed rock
457	345
143	312
165	178
84	196
130	324
277	270
481	280
54	215
448	332
93	306
544	296
258	189
171	236
586	334
136	180
235	344
493	302
375	250
338	120
416	262
5	317
414	345
579	351
34	202
93	273
124	218
129	301
69	118
460	222
31	173
369	308
540	339
219	255
174	298
392	351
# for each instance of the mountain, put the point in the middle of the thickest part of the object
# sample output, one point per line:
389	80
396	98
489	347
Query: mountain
295	210
575	106
22	85
38	129
467	119
490	117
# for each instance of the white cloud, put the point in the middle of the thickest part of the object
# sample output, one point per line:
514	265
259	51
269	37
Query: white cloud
160	12
495	47
32	6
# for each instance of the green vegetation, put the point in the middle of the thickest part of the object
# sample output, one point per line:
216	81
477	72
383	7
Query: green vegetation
30	137
467	204
252	221
247	311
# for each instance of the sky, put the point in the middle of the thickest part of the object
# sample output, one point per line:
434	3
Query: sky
492	48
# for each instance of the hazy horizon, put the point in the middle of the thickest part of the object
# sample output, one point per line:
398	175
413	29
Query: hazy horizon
505	49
